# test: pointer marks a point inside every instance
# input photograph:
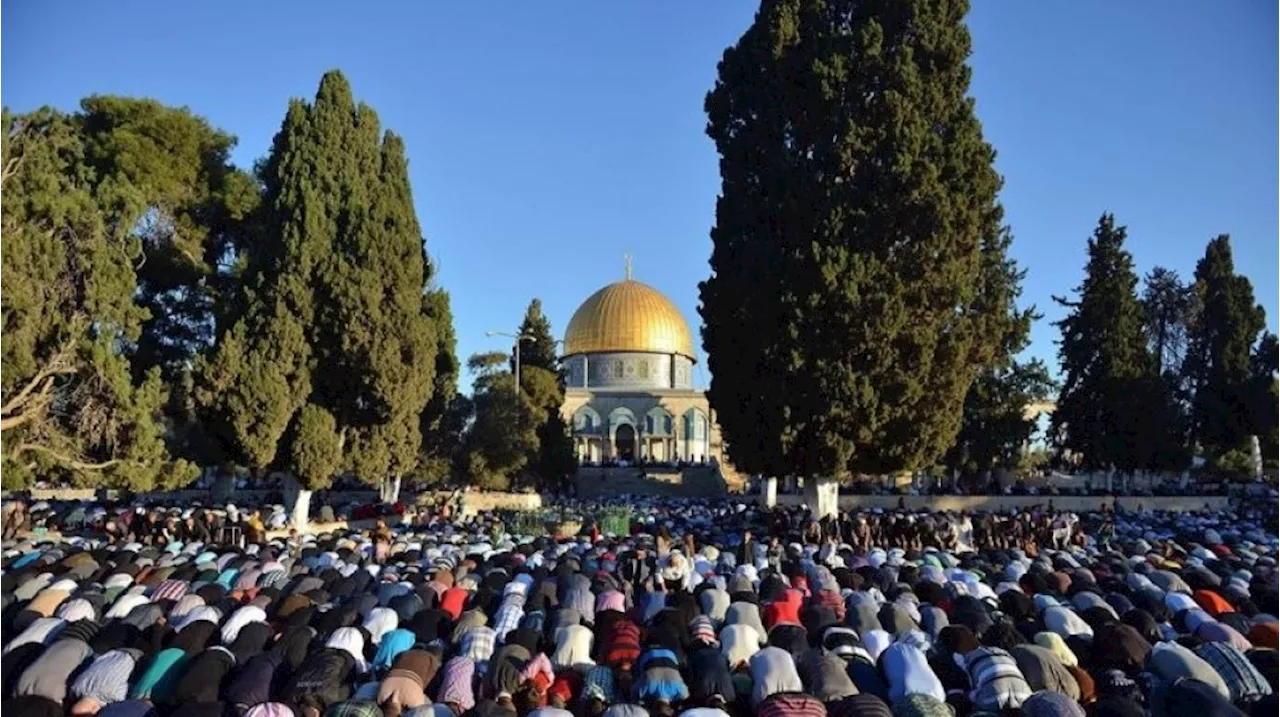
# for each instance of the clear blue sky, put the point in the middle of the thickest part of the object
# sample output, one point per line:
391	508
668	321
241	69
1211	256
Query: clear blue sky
546	140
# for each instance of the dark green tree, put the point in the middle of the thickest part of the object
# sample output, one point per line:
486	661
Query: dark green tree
193	227
445	417
1168	306
503	435
858	273
1105	362
388	342
87	198
542	382
539	349
1222	339
197	220
1166	303
332	313
996	426
1264	396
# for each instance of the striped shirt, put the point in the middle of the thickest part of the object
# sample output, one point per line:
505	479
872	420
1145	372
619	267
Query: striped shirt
1246	682
997	682
170	590
786	704
508	616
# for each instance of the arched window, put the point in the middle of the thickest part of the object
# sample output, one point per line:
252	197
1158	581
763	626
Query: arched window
585	420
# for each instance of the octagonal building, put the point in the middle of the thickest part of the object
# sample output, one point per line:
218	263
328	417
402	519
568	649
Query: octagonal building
628	362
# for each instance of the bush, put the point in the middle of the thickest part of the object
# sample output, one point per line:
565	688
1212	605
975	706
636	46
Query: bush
616	520
1236	463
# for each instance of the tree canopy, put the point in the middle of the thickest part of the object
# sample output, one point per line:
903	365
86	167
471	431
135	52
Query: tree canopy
166	309
444	419
542	382
1112	400
333	312
110	214
503	436
1222	342
859	274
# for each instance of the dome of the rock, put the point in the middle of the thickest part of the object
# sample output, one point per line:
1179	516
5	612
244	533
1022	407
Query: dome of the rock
628	317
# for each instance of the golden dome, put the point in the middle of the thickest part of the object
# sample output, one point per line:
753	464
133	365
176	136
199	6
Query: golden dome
628	316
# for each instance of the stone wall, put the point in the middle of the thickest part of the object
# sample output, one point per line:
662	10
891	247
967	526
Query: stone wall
1007	502
247	496
478	501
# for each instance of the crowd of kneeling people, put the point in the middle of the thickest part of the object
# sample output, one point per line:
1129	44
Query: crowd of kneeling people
704	610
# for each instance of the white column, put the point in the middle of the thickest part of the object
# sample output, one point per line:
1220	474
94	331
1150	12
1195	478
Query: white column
769	489
822	495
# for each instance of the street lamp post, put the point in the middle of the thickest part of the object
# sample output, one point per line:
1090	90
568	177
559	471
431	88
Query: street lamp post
516	339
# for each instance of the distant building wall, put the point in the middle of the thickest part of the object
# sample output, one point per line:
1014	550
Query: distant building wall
1075	504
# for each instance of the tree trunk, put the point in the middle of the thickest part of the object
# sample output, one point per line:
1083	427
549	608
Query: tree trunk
389	489
298	503
224	486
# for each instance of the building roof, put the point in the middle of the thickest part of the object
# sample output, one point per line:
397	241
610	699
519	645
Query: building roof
628	316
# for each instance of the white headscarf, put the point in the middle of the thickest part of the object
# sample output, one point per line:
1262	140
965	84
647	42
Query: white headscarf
1066	622
124	604
351	640
185	605
772	671
380	621
240	618
738	643
875	642
206	613
77	609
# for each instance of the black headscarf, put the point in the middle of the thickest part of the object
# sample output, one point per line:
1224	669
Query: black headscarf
32	706
1144	623
201	682
195	637
250	641
115	635
527	637
338	617
254	682
430	624
1193	698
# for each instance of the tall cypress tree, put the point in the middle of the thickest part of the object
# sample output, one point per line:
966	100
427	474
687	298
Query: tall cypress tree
333	318
1166	302
442	421
858	267
395	356
1167	308
543	383
1222	339
1264	396
1107	371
